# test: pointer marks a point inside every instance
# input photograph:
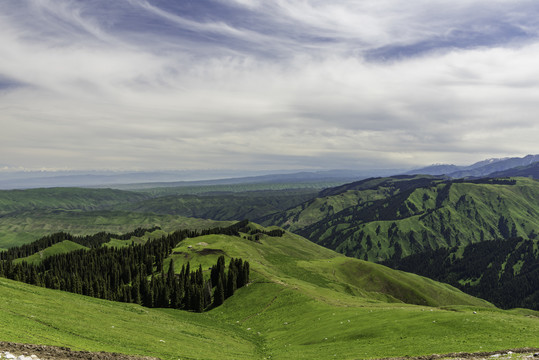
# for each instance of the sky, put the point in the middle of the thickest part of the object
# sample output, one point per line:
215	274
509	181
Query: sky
265	85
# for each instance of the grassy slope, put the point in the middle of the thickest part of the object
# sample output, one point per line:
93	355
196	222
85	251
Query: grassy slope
320	208
304	302
59	248
331	201
419	220
317	271
36	315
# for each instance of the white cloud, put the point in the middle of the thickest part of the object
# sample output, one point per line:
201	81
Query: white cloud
94	95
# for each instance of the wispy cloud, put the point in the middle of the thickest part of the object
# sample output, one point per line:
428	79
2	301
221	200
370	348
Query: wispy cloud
140	84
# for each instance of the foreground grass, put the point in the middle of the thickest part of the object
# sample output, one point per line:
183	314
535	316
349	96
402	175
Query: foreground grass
262	320
42	316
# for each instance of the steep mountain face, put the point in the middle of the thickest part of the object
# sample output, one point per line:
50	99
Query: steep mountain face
396	217
504	272
359	194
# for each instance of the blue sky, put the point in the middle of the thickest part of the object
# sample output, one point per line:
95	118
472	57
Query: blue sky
263	85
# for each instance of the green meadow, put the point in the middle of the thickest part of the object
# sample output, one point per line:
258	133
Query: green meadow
303	302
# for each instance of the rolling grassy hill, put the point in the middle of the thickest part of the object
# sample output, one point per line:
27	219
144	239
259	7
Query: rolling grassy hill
59	248
378	219
303	302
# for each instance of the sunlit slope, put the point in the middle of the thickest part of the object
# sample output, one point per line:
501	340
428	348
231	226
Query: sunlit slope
30	314
303	302
59	248
318	272
296	326
429	214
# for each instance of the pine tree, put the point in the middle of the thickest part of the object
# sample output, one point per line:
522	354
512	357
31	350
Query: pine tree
219	295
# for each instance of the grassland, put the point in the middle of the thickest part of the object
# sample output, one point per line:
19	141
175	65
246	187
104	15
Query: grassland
304	302
223	206
24	227
63	198
26	215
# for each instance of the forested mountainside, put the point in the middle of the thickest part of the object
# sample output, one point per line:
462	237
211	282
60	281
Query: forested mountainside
383	218
504	272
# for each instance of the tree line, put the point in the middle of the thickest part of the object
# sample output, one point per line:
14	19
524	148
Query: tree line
133	274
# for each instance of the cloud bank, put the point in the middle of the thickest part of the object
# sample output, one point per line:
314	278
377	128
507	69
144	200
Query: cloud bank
248	84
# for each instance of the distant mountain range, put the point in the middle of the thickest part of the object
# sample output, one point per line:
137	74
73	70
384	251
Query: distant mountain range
166	179
144	180
480	169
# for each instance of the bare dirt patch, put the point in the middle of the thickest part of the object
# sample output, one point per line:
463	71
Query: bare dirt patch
210	251
45	352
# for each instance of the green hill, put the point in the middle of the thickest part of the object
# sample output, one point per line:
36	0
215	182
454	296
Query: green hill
306	266
378	219
303	302
59	248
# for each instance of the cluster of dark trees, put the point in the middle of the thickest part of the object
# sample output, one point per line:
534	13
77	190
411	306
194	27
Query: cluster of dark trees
504	272
491	181
255	234
132	274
